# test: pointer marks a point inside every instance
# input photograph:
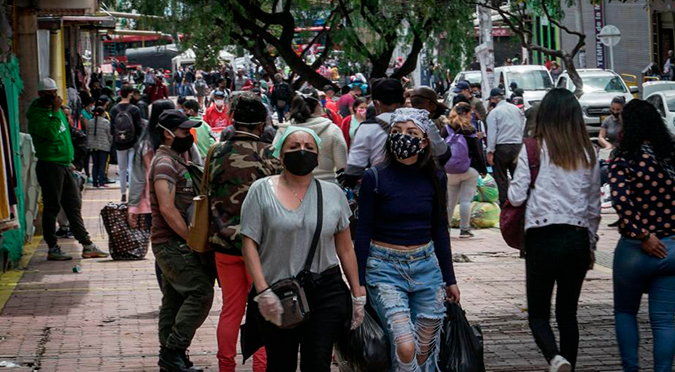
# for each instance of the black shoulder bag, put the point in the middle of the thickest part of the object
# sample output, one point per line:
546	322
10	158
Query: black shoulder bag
291	291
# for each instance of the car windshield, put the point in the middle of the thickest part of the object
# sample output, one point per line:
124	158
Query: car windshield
531	80
608	84
471	77
670	101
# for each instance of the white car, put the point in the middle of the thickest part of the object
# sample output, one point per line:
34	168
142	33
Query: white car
600	87
534	80
661	94
473	77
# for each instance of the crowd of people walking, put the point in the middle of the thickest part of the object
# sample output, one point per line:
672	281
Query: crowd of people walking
287	237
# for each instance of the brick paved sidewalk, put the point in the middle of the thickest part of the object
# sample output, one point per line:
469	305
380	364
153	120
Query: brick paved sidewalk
104	319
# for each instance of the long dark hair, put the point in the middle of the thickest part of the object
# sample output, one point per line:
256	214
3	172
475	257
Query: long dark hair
642	123
304	104
560	123
428	167
151	133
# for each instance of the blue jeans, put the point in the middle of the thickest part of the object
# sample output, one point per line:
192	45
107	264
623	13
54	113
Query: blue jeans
406	289
635	273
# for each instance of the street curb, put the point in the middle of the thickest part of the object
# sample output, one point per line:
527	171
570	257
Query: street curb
10	279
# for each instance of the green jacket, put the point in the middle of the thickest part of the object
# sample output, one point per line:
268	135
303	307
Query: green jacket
203	138
51	135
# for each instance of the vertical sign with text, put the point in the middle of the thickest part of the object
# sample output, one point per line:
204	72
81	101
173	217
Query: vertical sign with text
599	23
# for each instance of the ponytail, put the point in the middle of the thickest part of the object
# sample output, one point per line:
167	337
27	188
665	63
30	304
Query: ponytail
304	104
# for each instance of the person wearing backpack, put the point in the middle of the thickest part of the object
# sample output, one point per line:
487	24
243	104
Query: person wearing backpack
281	97
99	141
465	165
562	215
127	127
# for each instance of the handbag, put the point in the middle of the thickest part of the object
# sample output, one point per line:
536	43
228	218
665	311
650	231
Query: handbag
124	242
511	218
200	223
291	292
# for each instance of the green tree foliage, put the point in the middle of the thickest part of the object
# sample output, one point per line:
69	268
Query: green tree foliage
362	31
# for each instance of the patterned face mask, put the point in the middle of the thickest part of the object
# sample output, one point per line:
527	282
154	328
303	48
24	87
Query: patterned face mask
404	146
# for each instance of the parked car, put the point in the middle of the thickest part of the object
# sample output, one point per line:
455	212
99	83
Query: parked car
473	77
661	94
600	87
534	80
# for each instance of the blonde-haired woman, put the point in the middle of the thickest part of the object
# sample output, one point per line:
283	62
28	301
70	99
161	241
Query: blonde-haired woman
561	221
462	186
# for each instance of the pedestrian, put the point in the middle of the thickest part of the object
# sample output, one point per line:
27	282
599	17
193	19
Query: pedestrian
561	222
187	292
462	186
351	123
217	115
610	129
201	89
222	86
642	178
306	112
54	151
330	98
281	97
241	80
464	88
426	98
99	141
157	90
127	126
556	71
402	243
278	223
505	125
346	102
141	101
235	165
201	134
139	185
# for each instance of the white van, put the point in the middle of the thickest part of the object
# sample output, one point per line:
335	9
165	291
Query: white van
534	80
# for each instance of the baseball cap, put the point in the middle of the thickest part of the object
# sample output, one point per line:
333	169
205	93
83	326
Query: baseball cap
104	98
387	90
328	87
429	94
46	84
172	119
496	92
461	85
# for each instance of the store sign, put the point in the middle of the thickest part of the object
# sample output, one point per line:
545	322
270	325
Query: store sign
598	17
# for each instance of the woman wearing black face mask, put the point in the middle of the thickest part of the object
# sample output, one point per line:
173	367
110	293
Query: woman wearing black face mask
403	245
608	137
278	223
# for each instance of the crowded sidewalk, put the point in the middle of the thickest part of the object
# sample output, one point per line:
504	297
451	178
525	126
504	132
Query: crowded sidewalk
104	318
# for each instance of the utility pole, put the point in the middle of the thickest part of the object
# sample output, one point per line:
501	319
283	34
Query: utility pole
579	12
485	50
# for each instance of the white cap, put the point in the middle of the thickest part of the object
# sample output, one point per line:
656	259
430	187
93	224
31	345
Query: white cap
46	84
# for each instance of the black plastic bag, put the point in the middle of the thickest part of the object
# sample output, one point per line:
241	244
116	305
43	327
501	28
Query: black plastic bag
365	349
461	343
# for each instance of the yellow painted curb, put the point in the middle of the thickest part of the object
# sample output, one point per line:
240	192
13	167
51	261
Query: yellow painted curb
10	279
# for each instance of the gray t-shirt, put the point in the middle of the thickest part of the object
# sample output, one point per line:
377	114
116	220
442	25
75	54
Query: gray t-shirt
613	127
284	236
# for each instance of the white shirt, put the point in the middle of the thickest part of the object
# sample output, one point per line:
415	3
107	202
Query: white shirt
559	197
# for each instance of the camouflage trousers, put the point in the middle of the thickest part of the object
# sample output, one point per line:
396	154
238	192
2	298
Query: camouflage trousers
187	294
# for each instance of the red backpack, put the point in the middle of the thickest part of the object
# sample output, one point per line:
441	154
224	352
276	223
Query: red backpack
512	219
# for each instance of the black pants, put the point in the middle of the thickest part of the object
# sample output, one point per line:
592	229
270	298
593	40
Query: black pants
504	160
59	190
330	309
98	173
556	255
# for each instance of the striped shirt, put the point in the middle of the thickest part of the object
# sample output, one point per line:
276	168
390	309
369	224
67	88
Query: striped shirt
165	167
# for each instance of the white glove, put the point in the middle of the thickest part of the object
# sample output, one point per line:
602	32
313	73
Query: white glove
358	311
270	306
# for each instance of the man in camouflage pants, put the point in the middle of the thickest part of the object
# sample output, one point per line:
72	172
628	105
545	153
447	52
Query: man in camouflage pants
235	164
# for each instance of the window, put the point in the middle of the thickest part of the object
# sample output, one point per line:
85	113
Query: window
608	84
657	101
531	80
472	77
670	102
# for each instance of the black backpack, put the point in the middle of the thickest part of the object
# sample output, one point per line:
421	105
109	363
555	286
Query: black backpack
125	130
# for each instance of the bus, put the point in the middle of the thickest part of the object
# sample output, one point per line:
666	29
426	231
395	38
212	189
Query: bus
116	46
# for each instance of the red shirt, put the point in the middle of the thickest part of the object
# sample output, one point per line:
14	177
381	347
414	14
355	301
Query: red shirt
157	92
217	118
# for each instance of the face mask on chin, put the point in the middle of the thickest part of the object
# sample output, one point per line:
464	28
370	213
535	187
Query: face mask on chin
220	103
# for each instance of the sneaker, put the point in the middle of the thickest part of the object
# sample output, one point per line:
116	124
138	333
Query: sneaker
464	234
92	251
56	254
103	186
560	364
64	234
614	224
124	198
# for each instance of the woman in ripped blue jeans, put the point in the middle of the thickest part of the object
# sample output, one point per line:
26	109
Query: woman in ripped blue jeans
642	178
403	245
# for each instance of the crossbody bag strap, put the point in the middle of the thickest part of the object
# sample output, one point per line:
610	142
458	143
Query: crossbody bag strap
319	225
533	159
207	168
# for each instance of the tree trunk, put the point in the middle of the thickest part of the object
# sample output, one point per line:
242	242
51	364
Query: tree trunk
298	65
573	74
